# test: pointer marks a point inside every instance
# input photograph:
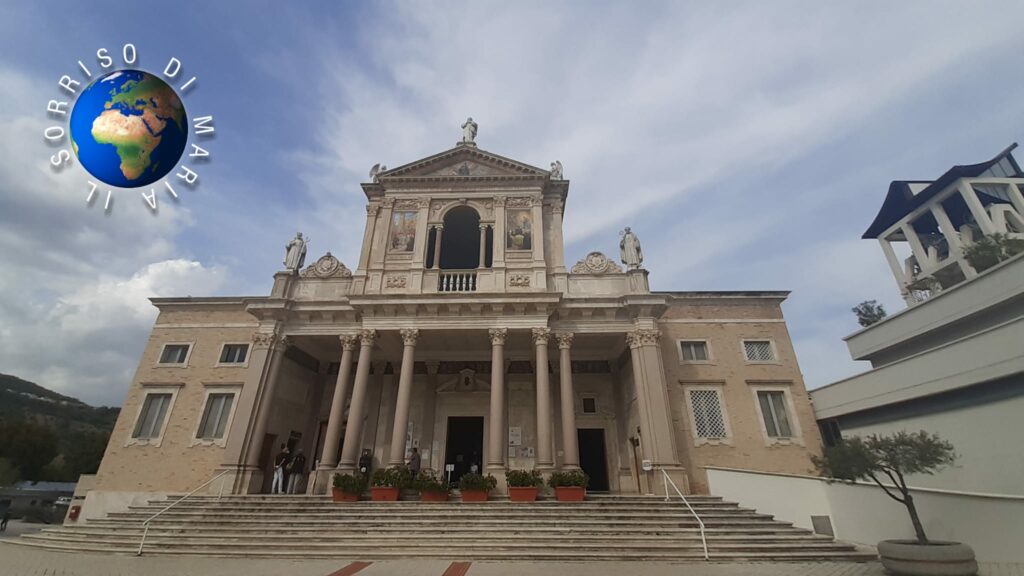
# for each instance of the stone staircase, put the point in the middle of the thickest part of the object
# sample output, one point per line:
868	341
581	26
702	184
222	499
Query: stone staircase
601	528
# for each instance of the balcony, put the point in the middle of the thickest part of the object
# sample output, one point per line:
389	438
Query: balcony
457	281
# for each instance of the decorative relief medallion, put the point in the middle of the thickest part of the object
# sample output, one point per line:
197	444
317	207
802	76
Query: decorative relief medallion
407	204
348	341
596	263
643	337
436	207
327	267
395	281
541	335
564	339
519	280
498	335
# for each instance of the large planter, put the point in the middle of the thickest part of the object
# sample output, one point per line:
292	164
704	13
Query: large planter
570	493
433	496
384	494
523	493
937	558
338	496
474	495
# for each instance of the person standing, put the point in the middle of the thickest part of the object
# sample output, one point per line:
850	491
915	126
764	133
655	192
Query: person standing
282	459
296	472
414	463
365	462
3	523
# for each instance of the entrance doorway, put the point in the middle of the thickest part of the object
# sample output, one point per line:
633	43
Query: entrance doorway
593	459
464	445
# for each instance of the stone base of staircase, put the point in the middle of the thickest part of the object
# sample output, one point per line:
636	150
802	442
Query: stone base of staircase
600	528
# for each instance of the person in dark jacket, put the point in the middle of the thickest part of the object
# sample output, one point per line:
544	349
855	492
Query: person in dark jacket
297	473
280	461
365	463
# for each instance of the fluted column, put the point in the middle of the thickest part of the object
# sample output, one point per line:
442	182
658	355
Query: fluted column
437	246
657	430
544	456
496	438
397	455
329	457
483	246
354	429
259	429
569	440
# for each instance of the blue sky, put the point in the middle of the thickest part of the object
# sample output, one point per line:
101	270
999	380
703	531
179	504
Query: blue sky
749	145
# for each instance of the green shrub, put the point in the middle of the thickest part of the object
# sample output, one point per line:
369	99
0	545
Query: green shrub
391	478
991	250
427	482
348	483
471	481
569	478
524	479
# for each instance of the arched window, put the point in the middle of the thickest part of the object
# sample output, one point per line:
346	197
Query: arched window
460	240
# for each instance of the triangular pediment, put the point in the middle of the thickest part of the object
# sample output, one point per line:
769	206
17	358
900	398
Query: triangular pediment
466	162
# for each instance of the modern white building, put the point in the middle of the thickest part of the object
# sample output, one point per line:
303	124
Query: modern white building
952	362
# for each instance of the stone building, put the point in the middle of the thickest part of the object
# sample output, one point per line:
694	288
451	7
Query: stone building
462	332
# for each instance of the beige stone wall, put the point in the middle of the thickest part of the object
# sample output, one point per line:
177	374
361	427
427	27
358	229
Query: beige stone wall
176	464
724	324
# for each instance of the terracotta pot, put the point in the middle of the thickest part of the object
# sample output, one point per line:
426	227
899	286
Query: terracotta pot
523	493
912	559
474	495
433	496
384	494
338	496
570	493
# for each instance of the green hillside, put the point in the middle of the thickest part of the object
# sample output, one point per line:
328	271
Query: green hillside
48	436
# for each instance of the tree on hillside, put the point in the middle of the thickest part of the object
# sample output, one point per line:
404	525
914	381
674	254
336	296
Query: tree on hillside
869	312
28	446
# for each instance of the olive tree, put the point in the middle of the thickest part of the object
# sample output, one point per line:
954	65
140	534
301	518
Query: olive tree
891	458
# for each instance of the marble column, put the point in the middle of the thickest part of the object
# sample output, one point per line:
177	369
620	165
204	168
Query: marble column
259	429
437	247
571	460
357	408
329	457
397	455
496	437
545	460
483	246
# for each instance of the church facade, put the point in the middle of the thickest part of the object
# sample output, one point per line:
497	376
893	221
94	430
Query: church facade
464	333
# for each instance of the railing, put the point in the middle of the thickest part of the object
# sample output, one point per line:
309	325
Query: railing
703	538
457	281
145	523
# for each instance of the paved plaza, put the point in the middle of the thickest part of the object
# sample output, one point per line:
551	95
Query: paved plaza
23	561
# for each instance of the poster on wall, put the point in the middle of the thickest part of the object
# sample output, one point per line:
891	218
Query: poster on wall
515	436
519	229
403	231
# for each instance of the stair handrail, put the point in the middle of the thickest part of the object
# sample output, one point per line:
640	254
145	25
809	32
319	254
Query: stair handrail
145	523
700	523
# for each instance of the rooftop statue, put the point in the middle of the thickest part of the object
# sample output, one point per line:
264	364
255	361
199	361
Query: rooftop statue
469	131
376	171
629	249
556	170
295	252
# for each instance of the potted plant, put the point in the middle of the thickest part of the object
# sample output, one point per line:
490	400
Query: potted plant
892	458
432	488
524	486
569	485
387	483
475	487
346	488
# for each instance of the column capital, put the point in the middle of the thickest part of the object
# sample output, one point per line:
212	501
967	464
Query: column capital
541	335
348	341
367	336
564	339
643	337
484	226
372	209
438	227
498	336
409	336
263	339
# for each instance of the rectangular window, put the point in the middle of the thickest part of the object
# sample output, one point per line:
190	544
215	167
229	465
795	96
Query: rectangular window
234	353
590	405
773	408
215	416
708	421
174	354
758	350
151	419
694	351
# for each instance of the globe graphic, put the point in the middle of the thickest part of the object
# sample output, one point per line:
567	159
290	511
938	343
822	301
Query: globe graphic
128	128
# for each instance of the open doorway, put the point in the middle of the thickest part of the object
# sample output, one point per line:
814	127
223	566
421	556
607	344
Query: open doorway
464	446
593	457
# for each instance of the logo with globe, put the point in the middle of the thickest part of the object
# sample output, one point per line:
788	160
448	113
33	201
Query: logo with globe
128	128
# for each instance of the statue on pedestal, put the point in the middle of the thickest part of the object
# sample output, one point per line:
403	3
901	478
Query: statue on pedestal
295	253
469	131
556	170
629	249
